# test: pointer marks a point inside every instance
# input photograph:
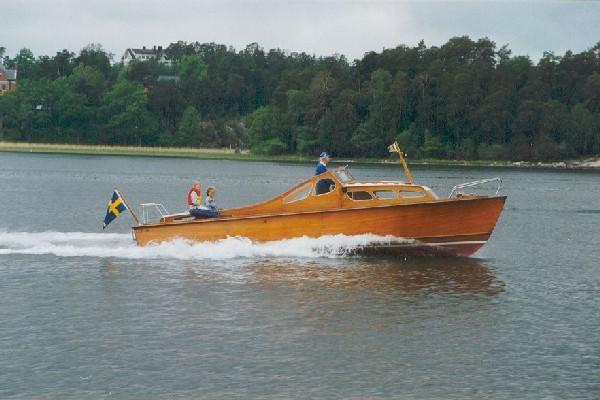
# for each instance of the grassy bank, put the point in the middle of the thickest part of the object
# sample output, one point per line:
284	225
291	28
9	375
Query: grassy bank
245	155
183	152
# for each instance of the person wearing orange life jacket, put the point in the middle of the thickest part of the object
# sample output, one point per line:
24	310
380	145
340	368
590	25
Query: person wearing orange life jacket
194	196
194	200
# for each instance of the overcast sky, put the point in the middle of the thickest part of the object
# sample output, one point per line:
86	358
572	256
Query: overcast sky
316	27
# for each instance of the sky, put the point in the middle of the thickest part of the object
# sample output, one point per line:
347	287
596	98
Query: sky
323	28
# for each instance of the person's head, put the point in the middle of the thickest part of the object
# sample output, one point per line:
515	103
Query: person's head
197	185
324	157
210	191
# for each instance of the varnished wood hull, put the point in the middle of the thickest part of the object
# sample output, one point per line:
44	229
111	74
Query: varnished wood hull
453	226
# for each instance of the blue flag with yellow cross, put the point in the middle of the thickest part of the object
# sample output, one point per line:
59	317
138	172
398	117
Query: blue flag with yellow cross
116	206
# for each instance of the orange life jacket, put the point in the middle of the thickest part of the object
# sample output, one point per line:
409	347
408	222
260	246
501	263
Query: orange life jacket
189	197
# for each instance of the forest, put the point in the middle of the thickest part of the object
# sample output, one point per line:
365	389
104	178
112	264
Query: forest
466	99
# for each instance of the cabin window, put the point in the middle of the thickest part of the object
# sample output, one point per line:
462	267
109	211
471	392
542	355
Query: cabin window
385	194
360	195
410	194
299	194
324	186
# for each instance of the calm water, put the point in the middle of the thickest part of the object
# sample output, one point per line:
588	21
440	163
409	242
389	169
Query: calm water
87	315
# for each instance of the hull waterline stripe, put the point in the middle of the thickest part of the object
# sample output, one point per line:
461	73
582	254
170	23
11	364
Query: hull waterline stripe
457	243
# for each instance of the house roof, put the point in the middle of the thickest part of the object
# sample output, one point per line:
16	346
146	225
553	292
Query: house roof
136	53
146	51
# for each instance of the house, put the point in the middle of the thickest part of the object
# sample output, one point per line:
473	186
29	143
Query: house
8	79
144	54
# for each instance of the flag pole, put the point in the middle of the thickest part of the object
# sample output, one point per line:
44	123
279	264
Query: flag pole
409	177
129	208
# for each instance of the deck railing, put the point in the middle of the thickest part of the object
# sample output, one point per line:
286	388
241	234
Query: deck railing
457	188
150	209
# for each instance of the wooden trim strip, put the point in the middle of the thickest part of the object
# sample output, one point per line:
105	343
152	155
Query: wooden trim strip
224	219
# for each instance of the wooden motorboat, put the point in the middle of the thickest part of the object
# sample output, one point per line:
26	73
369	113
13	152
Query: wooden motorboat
335	203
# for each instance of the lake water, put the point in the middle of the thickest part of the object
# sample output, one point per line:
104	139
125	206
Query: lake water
85	314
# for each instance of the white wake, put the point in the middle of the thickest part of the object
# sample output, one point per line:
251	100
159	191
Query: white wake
83	244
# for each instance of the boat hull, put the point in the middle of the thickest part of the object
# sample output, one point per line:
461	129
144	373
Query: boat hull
452	226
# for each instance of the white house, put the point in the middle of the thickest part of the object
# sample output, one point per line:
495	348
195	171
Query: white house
144	54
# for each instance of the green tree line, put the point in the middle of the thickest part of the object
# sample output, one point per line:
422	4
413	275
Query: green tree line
466	99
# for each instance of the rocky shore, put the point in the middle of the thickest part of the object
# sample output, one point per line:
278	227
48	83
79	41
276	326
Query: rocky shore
588	163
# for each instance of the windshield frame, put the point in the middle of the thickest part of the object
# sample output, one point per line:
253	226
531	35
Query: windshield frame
343	175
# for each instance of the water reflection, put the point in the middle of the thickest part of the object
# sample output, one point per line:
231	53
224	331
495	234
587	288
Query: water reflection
418	275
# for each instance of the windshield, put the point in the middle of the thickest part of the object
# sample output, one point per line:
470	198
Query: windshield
344	175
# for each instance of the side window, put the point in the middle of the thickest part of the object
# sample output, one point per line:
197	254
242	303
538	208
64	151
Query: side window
360	195
299	194
385	194
410	195
324	186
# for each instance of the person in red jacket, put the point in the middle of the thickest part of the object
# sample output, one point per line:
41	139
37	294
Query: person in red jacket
194	196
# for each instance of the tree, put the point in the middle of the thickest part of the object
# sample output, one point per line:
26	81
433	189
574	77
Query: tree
64	62
89	82
527	121
26	63
432	147
583	138
187	132
319	101
94	55
260	128
380	126
464	99
143	72
31	110
176	51
191	68
127	118
167	103
492	119
343	123
592	93
69	113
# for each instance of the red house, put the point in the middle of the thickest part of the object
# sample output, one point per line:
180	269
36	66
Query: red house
8	79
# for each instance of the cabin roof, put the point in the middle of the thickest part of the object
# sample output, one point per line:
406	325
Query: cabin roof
374	183
352	183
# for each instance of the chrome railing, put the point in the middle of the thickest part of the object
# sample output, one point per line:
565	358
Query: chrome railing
152	209
457	188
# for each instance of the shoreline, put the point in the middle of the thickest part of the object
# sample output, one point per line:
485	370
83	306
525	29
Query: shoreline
245	155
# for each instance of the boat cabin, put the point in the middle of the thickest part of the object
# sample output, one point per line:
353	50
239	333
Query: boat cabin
336	189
